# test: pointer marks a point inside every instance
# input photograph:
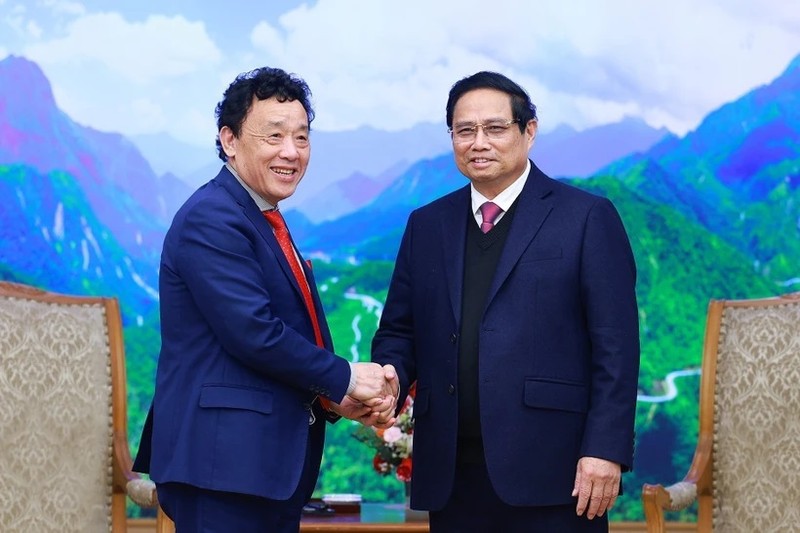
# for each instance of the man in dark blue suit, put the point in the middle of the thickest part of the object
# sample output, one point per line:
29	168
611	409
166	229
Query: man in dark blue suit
246	375
513	307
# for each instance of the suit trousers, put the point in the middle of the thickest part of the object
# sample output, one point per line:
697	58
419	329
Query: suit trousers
474	507
197	510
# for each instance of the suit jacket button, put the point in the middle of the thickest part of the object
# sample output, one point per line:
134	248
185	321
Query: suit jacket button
453	338
451	389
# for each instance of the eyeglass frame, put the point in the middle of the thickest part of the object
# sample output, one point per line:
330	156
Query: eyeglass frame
482	126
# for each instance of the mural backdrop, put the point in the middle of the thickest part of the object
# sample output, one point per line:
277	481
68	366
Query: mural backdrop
686	115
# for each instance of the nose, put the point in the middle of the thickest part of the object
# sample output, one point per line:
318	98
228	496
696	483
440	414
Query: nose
481	139
289	149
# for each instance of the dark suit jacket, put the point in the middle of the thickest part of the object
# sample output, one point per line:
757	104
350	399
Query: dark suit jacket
558	342
238	366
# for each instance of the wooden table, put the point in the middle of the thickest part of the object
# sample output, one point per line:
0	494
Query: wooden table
374	517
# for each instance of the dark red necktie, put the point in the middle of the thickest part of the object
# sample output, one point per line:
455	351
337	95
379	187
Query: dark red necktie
278	224
489	212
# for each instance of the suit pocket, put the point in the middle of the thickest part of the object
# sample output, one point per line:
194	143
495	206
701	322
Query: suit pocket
231	397
542	254
558	395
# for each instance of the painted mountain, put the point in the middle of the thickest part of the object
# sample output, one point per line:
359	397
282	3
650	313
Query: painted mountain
349	169
82	212
715	213
740	165
555	151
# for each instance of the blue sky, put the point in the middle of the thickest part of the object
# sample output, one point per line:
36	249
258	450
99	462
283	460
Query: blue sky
145	67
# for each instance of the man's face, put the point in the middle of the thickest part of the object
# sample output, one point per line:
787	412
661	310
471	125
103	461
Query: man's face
272	151
491	164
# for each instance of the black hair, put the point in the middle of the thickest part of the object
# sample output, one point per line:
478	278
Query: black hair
522	108
262	83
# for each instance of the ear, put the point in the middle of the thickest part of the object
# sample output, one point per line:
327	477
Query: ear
531	129
228	141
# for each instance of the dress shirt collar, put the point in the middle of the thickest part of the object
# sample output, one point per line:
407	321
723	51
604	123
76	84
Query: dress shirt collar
262	204
504	199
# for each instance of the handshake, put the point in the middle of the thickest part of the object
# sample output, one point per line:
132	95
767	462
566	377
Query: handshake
372	400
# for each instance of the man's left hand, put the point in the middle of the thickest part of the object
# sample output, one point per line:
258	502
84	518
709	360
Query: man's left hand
596	486
355	410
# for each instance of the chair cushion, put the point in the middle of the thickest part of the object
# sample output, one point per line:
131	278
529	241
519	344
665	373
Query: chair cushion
55	415
757	420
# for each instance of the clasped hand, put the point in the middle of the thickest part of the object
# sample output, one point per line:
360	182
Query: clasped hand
373	400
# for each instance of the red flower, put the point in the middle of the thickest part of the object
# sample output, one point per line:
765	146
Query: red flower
393	447
380	465
404	470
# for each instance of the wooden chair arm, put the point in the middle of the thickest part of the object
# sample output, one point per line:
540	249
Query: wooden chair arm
141	491
163	523
657	498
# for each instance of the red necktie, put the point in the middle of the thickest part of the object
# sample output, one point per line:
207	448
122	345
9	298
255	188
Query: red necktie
489	212
275	220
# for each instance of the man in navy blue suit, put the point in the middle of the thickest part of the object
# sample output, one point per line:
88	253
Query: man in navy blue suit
513	307
246	375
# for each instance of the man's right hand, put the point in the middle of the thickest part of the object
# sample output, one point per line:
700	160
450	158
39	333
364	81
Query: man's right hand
375	386
386	412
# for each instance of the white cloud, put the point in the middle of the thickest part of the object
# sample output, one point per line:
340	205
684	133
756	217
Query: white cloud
15	19
390	64
33	29
143	52
126	76
148	114
265	37
64	7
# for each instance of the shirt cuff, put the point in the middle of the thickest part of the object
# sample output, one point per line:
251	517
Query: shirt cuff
352	386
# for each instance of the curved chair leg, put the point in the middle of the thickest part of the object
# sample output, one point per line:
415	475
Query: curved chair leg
654	499
163	523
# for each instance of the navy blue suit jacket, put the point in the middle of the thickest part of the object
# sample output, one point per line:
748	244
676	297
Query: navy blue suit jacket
238	366
558	342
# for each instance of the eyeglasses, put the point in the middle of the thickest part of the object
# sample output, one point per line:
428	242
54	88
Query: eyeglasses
493	130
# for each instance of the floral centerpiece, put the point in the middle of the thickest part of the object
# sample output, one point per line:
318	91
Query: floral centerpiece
393	446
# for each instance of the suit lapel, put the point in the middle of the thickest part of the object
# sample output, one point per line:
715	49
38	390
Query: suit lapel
251	211
454	234
533	205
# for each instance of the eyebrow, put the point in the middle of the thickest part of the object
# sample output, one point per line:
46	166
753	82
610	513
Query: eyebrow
485	121
273	124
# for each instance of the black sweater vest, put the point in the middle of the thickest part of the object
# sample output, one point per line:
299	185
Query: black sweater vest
481	256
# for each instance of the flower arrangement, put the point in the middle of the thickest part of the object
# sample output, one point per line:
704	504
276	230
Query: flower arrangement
393	446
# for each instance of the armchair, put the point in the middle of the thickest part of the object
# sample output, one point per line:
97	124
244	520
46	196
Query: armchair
745	474
64	458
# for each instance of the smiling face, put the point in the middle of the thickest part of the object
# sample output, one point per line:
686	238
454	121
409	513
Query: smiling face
490	164
272	151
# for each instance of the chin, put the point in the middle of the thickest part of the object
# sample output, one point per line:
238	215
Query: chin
283	192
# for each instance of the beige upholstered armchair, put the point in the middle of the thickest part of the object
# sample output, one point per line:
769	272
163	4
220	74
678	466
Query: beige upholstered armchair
745	474
64	458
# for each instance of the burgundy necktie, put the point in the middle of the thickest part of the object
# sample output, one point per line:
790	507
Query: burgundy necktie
489	212
278	224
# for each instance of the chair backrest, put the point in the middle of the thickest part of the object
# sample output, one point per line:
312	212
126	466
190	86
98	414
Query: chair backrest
62	404
755	367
